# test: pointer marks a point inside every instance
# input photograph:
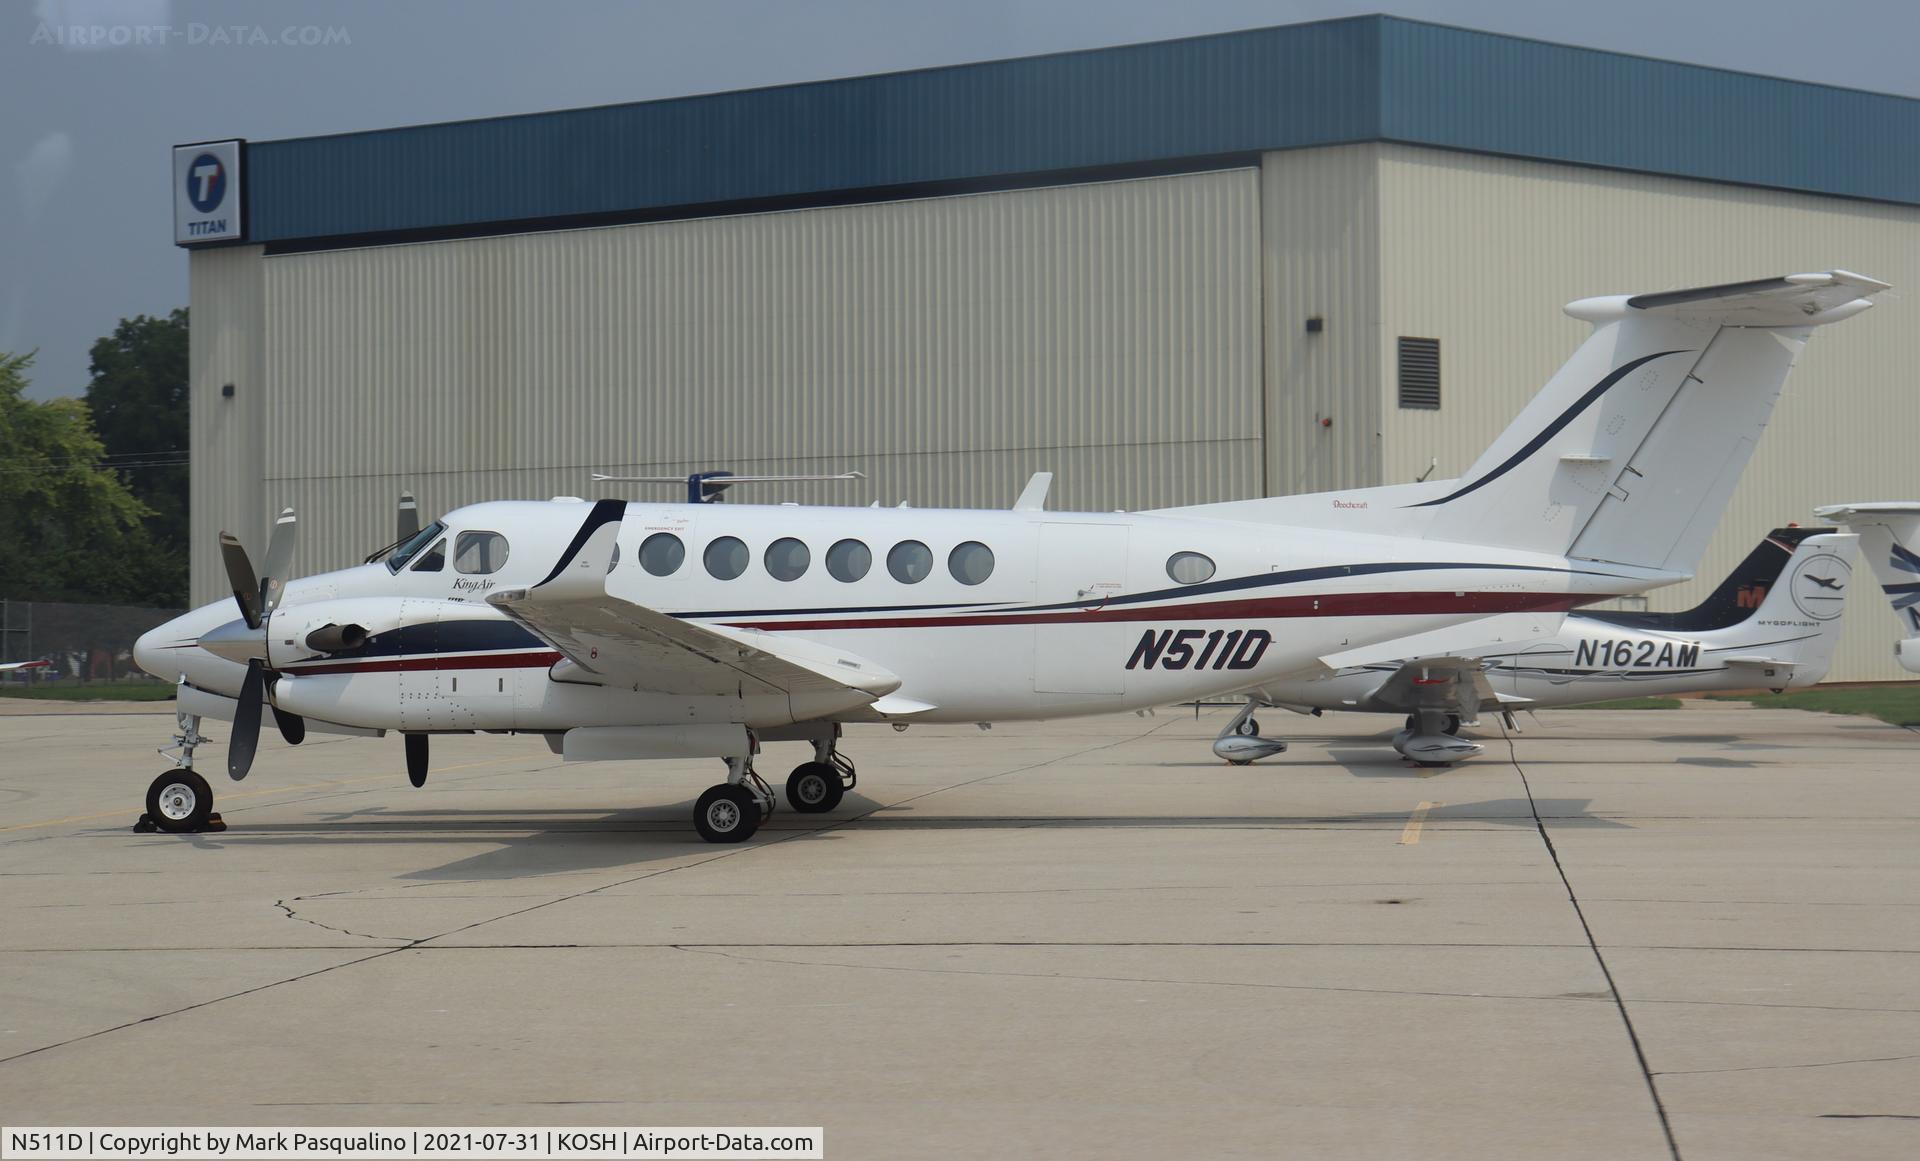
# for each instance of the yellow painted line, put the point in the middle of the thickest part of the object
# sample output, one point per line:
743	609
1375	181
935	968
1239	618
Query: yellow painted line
218	798
1411	833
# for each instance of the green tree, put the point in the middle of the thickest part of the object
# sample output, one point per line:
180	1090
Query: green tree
71	529
138	396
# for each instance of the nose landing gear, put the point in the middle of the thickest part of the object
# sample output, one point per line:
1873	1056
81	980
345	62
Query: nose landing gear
180	801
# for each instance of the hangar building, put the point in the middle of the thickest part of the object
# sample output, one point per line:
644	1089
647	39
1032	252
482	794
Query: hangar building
1289	259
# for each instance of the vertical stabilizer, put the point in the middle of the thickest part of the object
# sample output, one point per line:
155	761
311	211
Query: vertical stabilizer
1890	538
1631	452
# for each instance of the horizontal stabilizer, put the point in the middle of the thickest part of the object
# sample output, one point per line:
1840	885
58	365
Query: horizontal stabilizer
1791	300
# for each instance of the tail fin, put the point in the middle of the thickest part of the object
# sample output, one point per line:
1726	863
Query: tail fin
1738	596
1890	536
1631	452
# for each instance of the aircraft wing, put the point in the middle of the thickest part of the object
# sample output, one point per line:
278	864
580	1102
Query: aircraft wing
609	641
1456	684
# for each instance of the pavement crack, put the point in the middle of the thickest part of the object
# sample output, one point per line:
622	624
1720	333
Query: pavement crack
381	954
1783	1067
298	918
1619	1002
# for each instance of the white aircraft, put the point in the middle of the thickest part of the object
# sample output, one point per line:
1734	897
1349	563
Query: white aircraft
625	630
1773	623
11	666
1890	537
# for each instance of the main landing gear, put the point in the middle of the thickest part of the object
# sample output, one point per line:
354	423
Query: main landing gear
733	810
180	801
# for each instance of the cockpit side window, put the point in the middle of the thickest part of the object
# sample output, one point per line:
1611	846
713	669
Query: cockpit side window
419	540
481	552
433	559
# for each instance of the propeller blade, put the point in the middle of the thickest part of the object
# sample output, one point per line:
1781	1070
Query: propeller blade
417	760
246	586
246	723
292	727
279	559
408	525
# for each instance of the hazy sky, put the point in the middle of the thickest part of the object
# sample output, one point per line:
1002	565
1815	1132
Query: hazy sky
85	131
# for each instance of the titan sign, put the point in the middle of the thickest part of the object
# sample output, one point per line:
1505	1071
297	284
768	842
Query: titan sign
207	201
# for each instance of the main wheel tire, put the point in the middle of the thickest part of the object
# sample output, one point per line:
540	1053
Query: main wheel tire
814	788
726	814
1453	724
1249	728
179	801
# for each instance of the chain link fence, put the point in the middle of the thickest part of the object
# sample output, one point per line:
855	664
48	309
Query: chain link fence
78	643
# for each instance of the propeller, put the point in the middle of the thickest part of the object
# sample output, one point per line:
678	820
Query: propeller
408	524
257	597
292	727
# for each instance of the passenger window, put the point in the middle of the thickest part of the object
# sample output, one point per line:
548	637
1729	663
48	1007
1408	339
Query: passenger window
433	559
662	554
970	563
479	552
849	560
910	562
787	559
727	558
1189	568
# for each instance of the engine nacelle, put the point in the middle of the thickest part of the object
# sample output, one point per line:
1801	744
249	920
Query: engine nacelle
321	628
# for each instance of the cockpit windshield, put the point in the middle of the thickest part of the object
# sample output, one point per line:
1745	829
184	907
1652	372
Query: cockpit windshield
414	544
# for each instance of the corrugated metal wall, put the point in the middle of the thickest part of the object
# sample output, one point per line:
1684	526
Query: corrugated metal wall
1481	252
947	347
226	345
1321	248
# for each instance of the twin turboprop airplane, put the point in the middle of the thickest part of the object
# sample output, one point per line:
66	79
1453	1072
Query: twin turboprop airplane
625	630
1773	623
1890	536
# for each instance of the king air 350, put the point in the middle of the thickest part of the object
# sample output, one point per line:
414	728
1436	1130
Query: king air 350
625	630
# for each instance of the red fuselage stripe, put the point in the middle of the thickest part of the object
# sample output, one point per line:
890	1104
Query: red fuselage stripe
1253	609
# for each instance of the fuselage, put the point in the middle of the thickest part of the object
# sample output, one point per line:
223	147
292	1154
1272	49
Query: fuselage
982	615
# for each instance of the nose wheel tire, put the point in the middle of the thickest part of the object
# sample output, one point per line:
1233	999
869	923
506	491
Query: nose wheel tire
814	788
1249	728
726	814
179	802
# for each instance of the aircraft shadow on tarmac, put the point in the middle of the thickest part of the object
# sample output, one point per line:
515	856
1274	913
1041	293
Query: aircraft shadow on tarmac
551	841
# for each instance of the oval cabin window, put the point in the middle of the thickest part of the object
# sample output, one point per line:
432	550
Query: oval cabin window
727	558
1189	568
849	560
662	554
970	563
910	562
787	559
